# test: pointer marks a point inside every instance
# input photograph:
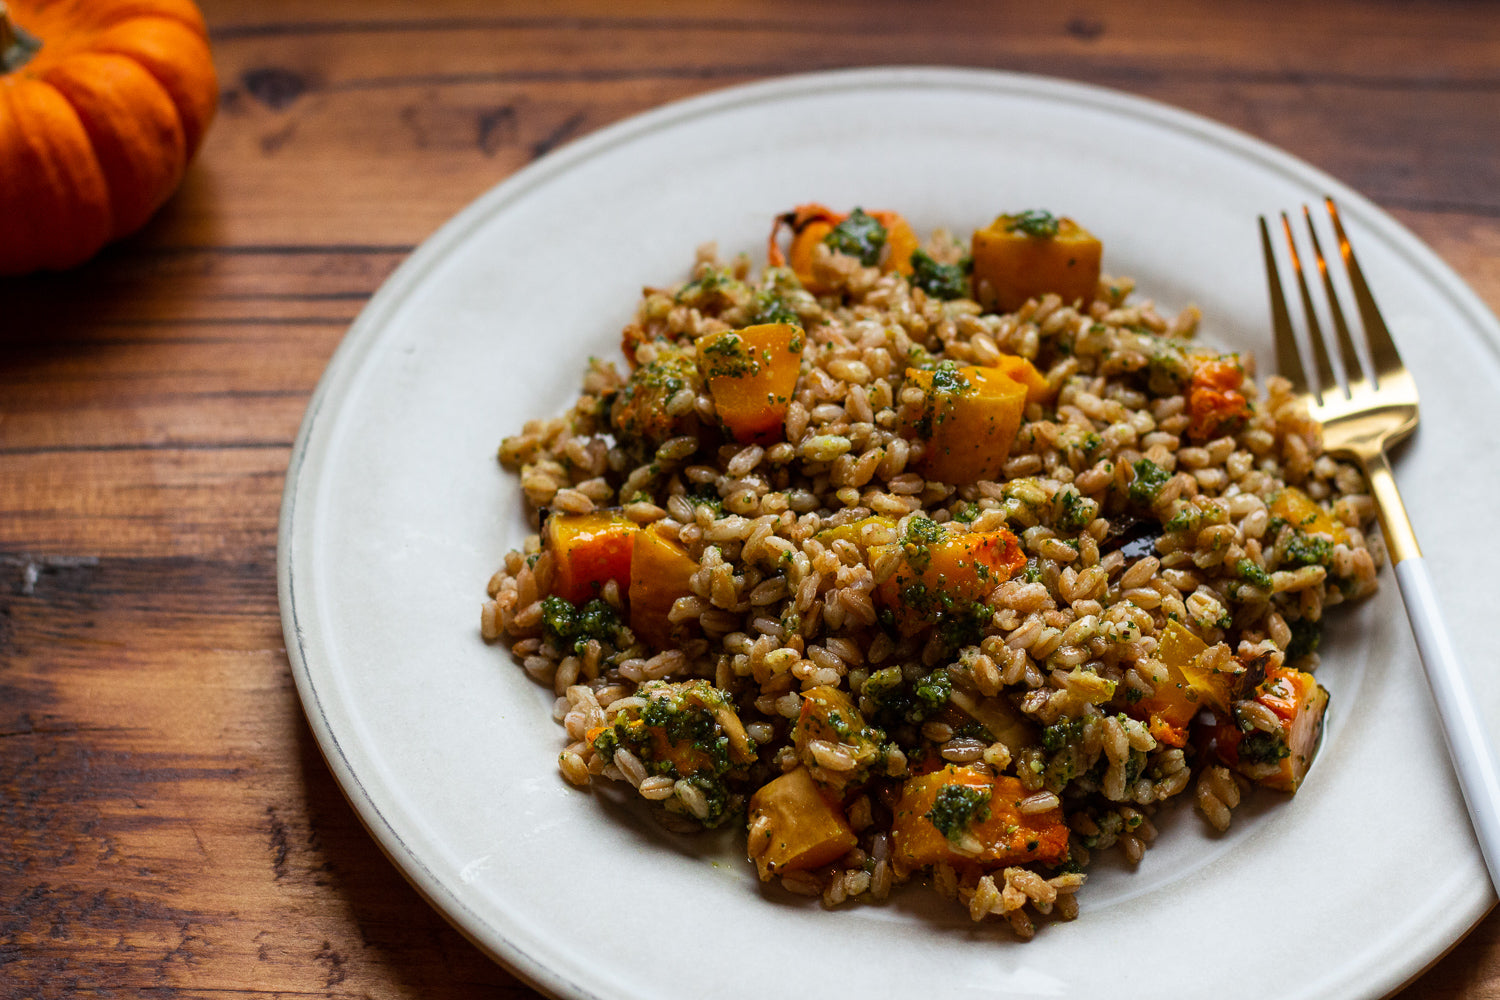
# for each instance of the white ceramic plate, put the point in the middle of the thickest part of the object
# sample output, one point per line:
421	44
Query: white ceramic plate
396	514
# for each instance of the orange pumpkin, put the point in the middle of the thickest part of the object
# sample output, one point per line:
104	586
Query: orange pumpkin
102	104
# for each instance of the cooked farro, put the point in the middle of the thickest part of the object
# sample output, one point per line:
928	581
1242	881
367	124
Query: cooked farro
760	600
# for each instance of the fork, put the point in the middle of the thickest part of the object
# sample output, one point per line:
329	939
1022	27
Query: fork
1371	407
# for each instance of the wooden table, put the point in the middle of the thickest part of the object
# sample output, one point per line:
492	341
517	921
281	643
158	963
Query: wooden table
167	825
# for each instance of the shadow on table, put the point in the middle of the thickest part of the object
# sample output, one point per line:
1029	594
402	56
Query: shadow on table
402	939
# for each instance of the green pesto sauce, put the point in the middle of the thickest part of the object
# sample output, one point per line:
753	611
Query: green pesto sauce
1261	747
1308	550
947	379
571	627
768	307
1149	479
940	281
1035	222
1306	637
896	702
1074	512
728	356
860	235
1247	570
957	808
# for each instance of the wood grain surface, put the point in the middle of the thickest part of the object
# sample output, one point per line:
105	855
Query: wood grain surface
167	825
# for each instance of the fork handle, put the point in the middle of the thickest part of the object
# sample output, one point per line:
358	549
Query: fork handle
1463	729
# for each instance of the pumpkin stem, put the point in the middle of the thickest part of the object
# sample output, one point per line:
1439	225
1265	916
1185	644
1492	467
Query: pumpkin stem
16	45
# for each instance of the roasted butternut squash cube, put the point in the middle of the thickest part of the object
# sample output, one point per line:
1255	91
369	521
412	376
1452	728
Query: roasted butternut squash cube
1278	759
832	739
943	577
751	375
795	825
1303	513
1026	256
1024	372
1216	406
1190	686
639	410
660	572
969	421
588	550
971	820
881	238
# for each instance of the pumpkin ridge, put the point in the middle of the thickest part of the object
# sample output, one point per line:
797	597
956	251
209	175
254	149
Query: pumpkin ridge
138	140
159	44
55	196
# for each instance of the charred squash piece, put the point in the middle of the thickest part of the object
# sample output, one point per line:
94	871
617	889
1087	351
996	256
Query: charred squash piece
1216	406
971	820
1277	759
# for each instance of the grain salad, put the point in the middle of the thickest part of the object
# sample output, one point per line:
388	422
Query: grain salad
929	560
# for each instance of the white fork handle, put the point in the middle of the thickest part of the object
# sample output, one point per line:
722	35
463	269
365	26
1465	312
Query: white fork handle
1463	728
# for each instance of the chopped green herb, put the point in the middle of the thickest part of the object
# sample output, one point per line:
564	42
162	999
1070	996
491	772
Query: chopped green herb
1247	570
1149	479
1306	637
1035	222
768	307
965	511
860	235
1261	747
957	808
572	627
945	378
941	281
1308	550
1074	511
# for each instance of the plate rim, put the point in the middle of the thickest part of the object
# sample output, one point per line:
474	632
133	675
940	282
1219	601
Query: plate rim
362	334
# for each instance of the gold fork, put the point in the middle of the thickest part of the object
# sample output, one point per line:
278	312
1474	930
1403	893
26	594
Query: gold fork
1363	413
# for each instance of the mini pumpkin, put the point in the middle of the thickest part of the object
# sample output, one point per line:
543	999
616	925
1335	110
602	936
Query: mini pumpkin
102	104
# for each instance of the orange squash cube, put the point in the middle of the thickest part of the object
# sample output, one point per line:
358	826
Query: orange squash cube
795	826
660	572
588	550
1024	372
969	421
1189	687
942	574
1280	759
1022	257
1303	513
751	375
971	820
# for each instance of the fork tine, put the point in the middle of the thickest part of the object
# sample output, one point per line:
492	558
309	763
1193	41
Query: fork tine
1353	367
1288	358
1326	380
1383	354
